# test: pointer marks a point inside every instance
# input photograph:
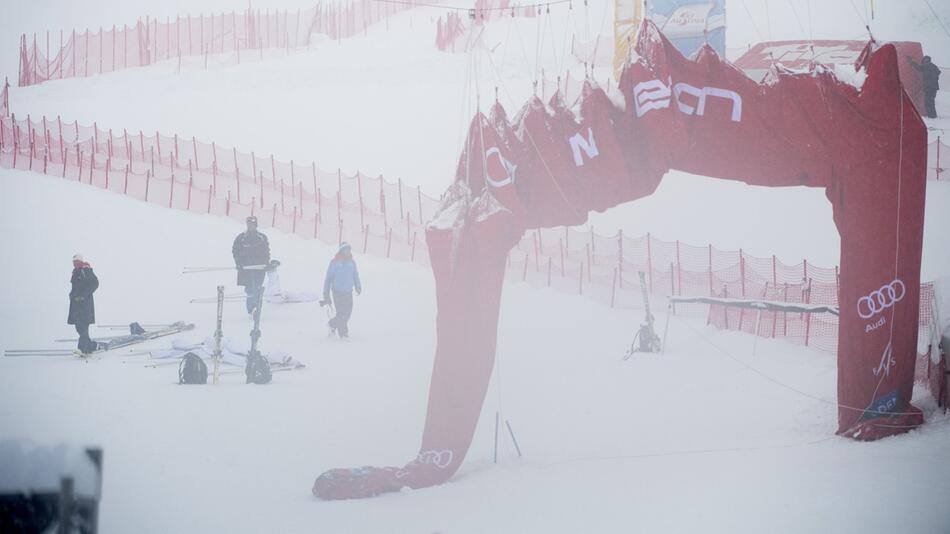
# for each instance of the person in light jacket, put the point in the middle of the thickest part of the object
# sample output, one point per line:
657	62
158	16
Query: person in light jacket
341	280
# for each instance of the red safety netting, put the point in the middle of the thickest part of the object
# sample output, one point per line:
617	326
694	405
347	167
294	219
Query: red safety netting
5	99
385	218
249	32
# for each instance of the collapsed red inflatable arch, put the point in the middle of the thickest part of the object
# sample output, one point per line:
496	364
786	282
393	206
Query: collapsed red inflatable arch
866	148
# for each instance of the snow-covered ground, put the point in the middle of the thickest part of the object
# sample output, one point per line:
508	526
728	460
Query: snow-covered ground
707	437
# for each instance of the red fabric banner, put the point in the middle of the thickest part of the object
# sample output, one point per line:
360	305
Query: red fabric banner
866	147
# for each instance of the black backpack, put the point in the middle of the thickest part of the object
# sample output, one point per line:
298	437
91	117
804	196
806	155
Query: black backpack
192	370
257	369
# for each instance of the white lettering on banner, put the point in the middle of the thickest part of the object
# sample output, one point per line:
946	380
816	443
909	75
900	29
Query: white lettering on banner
874	326
882	299
887	361
440	459
507	166
654	94
650	95
589	146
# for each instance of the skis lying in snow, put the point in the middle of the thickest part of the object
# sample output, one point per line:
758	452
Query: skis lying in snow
110	345
62	352
214	300
274	368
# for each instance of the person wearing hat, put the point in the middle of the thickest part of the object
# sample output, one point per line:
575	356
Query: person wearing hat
251	253
931	81
82	310
341	280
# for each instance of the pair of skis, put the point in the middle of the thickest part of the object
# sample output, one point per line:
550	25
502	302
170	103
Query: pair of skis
106	344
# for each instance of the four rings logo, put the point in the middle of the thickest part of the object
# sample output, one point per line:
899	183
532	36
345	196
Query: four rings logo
882	299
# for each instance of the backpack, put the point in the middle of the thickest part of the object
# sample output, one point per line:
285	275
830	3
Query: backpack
136	329
192	370
257	369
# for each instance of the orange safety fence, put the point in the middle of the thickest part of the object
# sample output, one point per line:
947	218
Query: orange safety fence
250	32
387	218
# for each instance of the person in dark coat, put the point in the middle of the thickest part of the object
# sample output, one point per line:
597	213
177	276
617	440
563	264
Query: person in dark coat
342	278
251	249
82	310
931	76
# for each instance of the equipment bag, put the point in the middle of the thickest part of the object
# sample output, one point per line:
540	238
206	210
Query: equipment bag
192	370
257	369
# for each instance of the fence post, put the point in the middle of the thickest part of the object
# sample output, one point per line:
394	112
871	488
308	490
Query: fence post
148	180
620	256
785	314
359	192
710	271
273	214
194	148
260	184
679	268
273	169
524	274
401	209
742	271
938	158
561	246
412	254
389	242
649	262
365	237
580	279
774	273
191	185
125	188
108	166
613	289
672	281
254	166
550	261
419	195
171	191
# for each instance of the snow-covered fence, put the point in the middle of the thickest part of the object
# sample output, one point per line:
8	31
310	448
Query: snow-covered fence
387	218
250	32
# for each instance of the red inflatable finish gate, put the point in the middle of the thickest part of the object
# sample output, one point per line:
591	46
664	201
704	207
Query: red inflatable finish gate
867	149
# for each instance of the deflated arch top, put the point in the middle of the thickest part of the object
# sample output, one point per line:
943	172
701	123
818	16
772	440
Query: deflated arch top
866	148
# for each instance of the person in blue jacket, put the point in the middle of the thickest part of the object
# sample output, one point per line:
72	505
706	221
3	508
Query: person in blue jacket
341	280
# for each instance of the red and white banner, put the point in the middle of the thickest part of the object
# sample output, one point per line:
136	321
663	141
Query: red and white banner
866	148
800	55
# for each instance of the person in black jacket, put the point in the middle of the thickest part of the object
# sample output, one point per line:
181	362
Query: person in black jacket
251	253
931	76
82	310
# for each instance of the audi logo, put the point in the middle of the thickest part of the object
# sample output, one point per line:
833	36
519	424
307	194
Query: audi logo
882	299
